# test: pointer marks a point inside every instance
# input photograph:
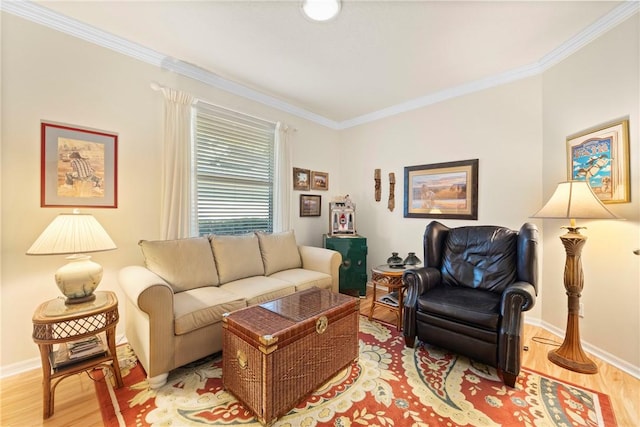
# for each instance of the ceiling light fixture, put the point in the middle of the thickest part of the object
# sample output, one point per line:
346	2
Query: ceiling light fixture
321	10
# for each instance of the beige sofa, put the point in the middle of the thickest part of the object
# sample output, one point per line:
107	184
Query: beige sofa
174	304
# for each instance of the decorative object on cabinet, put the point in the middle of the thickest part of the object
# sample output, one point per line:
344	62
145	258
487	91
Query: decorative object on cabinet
310	205
392	191
601	156
571	200
442	190
377	187
78	166
412	259
342	216
353	270
394	261
75	234
301	179
319	180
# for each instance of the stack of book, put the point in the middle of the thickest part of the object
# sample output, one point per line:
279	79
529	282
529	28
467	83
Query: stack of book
390	299
75	351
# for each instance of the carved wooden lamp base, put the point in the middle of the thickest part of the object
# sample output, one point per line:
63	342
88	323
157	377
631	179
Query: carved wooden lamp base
570	354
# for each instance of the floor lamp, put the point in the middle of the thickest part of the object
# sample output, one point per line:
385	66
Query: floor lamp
571	200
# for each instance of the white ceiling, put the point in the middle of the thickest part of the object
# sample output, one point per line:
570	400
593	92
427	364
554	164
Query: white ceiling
375	58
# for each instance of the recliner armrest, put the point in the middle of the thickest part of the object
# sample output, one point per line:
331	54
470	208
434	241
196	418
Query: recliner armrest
417	281
519	296
420	280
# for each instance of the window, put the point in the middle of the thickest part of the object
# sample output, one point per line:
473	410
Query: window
234	158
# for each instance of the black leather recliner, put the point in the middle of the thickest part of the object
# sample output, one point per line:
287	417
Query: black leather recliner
472	291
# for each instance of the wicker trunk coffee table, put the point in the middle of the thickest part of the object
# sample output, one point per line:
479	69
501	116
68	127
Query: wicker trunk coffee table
277	353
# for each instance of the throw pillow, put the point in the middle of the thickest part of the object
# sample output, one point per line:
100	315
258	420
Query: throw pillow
237	257
184	263
279	251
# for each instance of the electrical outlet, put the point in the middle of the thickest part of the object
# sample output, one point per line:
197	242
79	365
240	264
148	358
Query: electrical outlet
581	310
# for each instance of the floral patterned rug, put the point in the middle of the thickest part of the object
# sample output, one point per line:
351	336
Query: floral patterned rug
389	385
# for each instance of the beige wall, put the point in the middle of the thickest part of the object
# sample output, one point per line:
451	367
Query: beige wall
47	75
501	127
516	130
597	84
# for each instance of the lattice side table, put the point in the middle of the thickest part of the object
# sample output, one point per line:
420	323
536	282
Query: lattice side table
54	322
391	279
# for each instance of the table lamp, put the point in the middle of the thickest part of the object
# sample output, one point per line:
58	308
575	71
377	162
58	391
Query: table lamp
571	200
76	234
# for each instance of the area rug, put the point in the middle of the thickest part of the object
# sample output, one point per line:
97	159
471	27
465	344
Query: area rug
389	385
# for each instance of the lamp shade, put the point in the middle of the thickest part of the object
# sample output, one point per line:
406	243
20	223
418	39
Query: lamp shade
574	199
72	233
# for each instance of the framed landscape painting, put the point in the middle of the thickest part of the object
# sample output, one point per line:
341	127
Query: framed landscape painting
601	157
79	167
319	180
310	205
442	190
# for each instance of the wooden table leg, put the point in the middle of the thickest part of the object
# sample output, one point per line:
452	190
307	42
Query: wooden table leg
47	395
111	342
373	301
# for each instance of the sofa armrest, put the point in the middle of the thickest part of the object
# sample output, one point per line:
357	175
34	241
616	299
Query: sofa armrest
150	322
324	261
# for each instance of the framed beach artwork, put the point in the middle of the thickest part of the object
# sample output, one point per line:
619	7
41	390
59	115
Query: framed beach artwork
601	156
442	190
78	167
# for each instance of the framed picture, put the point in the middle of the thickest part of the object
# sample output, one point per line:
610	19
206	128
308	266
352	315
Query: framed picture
301	179
601	157
78	167
310	205
319	180
442	190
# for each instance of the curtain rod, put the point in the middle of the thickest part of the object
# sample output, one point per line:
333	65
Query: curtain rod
158	87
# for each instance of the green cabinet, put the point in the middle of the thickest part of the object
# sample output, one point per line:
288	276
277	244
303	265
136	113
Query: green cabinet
353	270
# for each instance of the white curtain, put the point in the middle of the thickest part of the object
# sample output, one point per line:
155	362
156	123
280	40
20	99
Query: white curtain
283	181
175	216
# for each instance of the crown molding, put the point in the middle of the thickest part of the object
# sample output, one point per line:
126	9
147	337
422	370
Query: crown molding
41	15
589	34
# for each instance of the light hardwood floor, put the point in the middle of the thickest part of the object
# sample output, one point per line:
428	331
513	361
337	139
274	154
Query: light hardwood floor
76	403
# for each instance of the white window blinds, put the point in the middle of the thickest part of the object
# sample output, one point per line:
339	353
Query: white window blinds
234	157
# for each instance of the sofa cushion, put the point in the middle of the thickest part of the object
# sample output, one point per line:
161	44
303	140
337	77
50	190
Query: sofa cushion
279	251
305	279
237	257
258	289
168	258
197	308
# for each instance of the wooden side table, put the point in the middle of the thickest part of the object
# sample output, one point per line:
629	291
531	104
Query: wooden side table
54	322
390	279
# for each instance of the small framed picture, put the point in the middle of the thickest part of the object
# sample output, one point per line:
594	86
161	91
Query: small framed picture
310	205
301	179
78	167
319	180
600	156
